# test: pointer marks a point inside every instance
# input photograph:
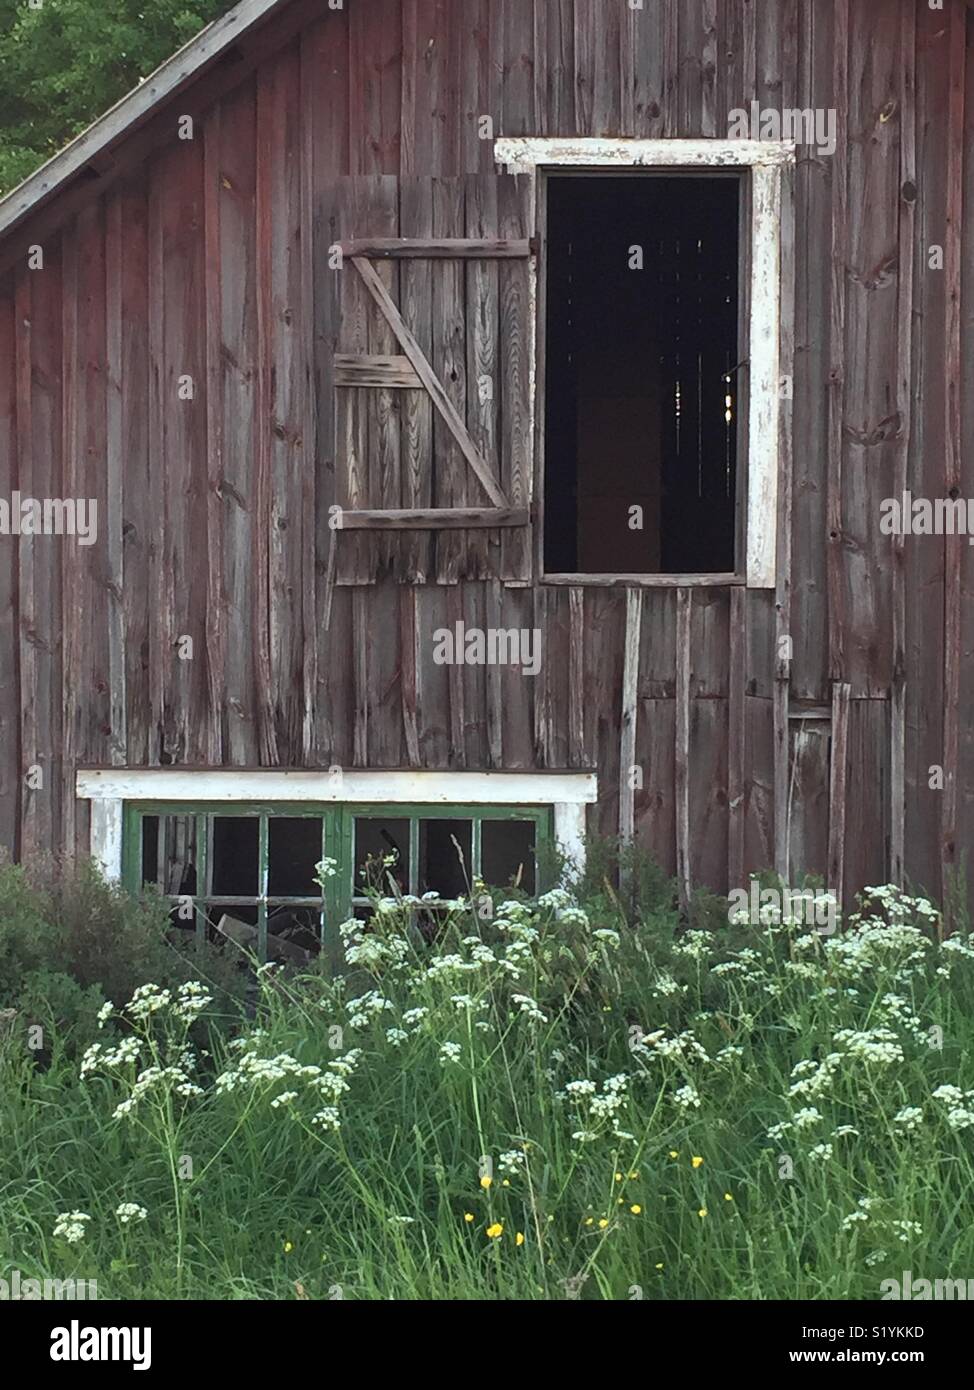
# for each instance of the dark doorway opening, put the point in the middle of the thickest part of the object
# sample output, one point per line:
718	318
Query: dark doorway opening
641	351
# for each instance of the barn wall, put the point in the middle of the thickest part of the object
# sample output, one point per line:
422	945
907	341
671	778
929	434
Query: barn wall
208	259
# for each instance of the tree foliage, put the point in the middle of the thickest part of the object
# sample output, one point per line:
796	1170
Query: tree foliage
65	62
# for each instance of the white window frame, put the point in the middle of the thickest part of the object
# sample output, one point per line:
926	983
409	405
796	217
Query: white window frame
769	375
108	789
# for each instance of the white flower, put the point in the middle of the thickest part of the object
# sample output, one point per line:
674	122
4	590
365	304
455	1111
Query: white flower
823	1151
105	1013
285	1098
687	1098
804	1119
529	1007
70	1226
396	1036
130	1211
450	1052
909	1118
951	1094
512	1161
606	934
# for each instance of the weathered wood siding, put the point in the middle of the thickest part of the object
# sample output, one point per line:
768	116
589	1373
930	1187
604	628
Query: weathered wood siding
209	258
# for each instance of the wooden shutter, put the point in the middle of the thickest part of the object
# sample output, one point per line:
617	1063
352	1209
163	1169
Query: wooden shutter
431	376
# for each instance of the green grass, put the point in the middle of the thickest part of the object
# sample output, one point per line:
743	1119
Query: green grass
247	1200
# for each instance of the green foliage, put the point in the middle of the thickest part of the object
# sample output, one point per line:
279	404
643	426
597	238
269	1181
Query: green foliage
548	1103
65	63
68	941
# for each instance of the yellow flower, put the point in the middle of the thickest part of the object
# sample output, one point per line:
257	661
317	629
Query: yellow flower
633	1177
589	1220
620	1200
519	1238
635	1209
468	1217
702	1212
495	1230
674	1153
659	1266
696	1162
486	1180
506	1182
728	1197
602	1224
288	1247
618	1177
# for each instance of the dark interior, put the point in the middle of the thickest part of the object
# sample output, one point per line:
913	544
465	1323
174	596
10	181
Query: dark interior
639	410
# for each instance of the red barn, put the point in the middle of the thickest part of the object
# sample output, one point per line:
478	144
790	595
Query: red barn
432	428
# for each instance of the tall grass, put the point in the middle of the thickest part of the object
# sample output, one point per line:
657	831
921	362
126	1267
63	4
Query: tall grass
547	1102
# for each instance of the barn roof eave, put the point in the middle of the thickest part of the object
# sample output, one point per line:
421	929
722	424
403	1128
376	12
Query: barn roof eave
172	75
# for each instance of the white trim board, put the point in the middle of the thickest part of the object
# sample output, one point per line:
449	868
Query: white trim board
337	784
766	160
521	153
568	793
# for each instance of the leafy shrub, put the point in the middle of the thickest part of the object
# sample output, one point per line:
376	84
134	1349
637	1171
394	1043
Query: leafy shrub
69	941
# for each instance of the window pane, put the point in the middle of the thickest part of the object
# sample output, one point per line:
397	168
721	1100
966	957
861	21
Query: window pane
445	867
507	853
150	849
375	839
293	933
236	841
169	853
293	850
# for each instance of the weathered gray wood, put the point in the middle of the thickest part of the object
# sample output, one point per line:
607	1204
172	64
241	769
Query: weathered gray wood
374	369
681	762
646	581
432	518
630	691
838	773
437	248
426	374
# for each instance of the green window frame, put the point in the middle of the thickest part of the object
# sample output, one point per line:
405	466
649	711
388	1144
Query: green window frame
340	898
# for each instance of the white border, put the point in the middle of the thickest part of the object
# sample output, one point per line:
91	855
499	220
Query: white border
766	160
109	788
523	153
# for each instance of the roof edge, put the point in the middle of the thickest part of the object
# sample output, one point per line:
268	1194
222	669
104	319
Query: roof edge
134	108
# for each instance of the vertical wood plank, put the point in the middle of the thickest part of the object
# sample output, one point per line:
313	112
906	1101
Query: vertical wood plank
904	405
736	734
681	765
630	696
840	99
216	643
838	768
953	555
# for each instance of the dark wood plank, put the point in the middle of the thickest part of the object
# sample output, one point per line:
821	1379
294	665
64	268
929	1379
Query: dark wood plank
440	397
434	519
437	248
416	412
375	369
